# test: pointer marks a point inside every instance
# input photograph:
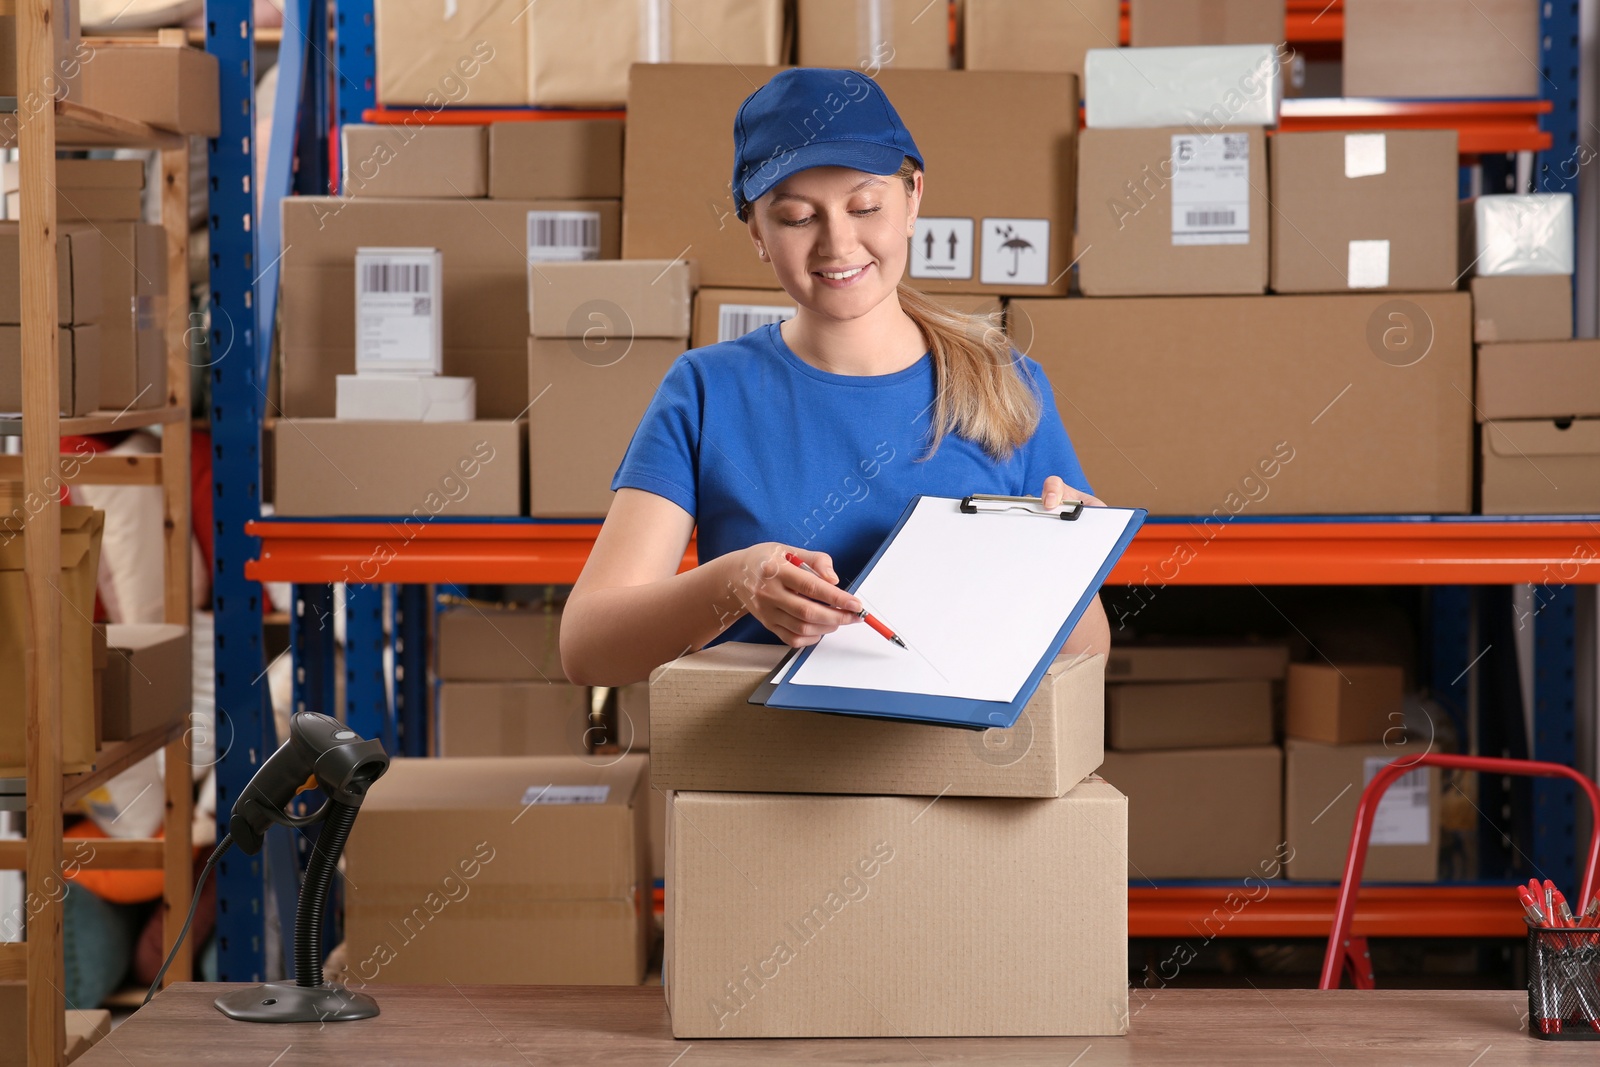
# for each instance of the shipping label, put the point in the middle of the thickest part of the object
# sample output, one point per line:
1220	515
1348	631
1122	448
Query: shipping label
397	310
1405	815
565	794
736	320
563	236
1211	189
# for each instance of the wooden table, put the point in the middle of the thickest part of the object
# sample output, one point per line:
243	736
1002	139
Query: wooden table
520	1026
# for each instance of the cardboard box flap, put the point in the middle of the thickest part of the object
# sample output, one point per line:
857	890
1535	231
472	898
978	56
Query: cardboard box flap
1543	437
137	636
81	528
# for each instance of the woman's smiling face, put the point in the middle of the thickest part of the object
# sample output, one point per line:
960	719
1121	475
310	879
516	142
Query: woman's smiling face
837	238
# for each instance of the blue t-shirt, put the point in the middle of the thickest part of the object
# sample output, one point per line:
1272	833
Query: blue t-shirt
759	445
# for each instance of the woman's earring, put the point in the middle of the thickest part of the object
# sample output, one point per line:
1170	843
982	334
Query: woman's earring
761	251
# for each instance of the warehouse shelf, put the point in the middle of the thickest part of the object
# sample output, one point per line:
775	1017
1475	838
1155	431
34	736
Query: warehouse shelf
1484	126
78	126
482	116
1421	550
1278	909
106	421
265	35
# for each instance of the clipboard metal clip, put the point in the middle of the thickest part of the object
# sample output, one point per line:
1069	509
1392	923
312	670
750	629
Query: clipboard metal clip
983	502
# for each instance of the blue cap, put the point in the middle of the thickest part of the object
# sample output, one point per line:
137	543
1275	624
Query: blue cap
814	117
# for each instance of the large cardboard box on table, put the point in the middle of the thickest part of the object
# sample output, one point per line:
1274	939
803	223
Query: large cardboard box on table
1028	35
1541	467
524	870
1008	208
579	55
1346	704
79	249
876	916
1163	23
1534	307
414	470
1321	785
1538	380
81	529
133	316
728	314
99	190
1159	715
173	87
705	735
491	643
80	368
1374	210
148	678
1441	48
402	160
556	159
513	719
1171	211
1302	402
872	34
472	53
1196	663
486	251
1202	812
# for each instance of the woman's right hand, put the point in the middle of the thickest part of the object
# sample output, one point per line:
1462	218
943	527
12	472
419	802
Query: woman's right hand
796	606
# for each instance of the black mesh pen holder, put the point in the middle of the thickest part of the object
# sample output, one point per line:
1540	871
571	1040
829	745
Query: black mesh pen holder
1564	983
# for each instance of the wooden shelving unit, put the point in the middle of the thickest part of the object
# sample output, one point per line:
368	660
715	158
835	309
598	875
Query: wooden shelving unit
38	131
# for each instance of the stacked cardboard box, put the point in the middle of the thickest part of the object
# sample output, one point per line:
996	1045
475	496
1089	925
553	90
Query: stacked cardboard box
1441	48
872	34
1191	733
822	870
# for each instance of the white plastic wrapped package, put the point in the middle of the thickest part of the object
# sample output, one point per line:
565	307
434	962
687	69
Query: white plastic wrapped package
1530	234
1206	87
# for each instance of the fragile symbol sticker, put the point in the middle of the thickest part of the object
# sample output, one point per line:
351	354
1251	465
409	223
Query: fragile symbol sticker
942	248
1016	252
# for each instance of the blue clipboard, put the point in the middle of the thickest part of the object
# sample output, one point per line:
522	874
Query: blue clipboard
941	710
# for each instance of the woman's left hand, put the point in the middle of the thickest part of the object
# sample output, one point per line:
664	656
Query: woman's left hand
1056	490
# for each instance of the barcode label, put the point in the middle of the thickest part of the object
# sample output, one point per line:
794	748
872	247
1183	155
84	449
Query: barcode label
398	328
397	277
1405	816
565	794
736	320
556	236
1210	189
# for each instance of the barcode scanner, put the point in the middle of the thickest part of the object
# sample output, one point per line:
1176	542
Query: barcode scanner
320	749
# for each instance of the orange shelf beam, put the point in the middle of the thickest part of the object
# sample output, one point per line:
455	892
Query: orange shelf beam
1484	126
1271	909
1383	552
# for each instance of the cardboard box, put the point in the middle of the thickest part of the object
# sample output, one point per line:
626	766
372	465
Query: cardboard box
78	272
579	55
485	251
418	470
705	735
81	530
1512	308
680	142
728	314
79	367
413	161
599	390
1188	715
875	916
621	299
1539	380
1441	48
456	862
148	678
1541	467
1196	663
633	717
473	53
1518	235
133	325
1364	211
1302	402
513	719
1202	89
173	87
1347	704
493	643
63	80
872	34
84	1028
1164	23
1321	785
1169	211
1202	813
88	190
409	397
556	159
1025	35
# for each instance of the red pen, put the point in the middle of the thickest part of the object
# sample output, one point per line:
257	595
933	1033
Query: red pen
866	616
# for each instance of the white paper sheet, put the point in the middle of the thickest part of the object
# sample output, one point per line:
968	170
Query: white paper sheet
978	598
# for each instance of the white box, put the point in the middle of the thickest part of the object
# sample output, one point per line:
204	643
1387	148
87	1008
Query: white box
399	305
1520	234
1204	87
405	398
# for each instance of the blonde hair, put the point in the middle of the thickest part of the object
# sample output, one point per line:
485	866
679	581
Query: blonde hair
980	393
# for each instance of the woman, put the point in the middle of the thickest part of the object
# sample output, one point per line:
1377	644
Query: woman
810	436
